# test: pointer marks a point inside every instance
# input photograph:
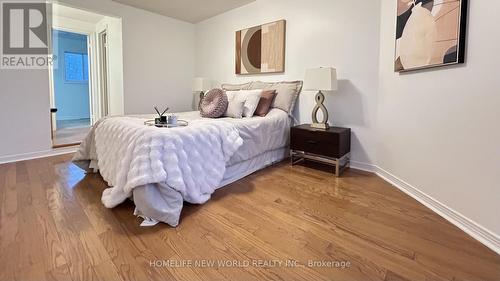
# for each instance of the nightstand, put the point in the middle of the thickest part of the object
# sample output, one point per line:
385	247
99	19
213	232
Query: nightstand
331	146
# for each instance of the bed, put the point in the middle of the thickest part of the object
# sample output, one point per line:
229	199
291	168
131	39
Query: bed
161	168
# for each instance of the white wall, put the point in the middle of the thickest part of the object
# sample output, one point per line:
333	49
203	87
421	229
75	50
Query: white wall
158	66
338	33
158	61
24	111
439	129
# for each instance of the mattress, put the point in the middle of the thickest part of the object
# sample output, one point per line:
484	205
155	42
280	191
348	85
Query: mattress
259	134
252	165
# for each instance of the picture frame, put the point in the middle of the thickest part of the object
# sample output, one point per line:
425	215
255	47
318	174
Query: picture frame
261	49
429	34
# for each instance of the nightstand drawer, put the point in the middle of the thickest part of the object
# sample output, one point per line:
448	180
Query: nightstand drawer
314	142
334	142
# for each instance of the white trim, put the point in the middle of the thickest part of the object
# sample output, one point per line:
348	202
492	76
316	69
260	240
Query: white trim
88	28
39	154
103	108
475	230
363	166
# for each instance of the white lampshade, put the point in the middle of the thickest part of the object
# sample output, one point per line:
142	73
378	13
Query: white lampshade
321	79
201	84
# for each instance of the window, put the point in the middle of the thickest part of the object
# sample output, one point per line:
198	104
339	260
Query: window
76	67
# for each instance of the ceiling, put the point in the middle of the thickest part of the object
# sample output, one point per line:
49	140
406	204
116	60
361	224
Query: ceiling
187	10
76	14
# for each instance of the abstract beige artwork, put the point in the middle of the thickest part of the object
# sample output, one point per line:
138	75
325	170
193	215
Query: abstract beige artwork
261	49
430	33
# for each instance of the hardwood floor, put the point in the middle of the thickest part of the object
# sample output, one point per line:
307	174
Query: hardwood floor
357	227
69	136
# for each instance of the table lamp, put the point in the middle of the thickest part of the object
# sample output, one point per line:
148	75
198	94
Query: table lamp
200	85
320	79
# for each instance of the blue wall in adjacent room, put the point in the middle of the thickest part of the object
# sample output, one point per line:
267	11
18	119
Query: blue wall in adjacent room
71	98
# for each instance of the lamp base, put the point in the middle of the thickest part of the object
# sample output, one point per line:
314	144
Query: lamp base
323	126
202	95
320	98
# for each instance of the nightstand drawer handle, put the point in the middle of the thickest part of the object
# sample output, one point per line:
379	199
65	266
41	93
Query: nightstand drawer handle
312	142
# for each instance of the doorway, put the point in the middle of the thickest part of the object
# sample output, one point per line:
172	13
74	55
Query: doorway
72	105
86	78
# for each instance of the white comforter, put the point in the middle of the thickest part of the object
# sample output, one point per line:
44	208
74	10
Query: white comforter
164	167
191	159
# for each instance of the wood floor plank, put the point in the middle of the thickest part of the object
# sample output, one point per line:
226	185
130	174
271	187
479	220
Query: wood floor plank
295	216
51	240
9	256
54	227
61	273
94	249
295	244
32	250
34	272
124	256
106	270
8	206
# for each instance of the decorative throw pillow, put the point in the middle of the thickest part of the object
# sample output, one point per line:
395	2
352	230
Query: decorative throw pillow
236	87
266	99
251	98
260	85
235	108
214	104
251	103
286	93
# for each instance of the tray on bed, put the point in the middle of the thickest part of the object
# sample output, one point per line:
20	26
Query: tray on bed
180	123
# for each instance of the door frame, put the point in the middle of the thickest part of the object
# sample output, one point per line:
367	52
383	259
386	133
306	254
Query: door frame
93	78
102	54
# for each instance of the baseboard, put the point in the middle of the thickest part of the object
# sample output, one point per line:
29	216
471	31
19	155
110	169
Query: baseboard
38	154
363	166
475	230
478	232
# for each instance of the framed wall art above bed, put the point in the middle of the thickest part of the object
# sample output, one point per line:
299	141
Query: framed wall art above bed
430	33
261	49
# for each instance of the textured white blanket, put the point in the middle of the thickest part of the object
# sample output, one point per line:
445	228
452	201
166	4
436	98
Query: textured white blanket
191	160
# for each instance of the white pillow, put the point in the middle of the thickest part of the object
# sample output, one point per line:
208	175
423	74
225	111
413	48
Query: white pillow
251	98
235	107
